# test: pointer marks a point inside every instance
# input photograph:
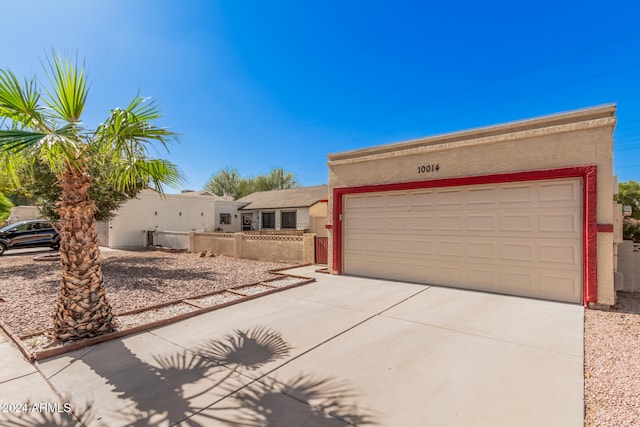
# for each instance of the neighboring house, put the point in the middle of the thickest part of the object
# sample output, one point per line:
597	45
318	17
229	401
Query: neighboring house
140	220
303	208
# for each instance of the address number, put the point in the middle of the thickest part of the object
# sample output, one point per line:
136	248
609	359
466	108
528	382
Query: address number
429	168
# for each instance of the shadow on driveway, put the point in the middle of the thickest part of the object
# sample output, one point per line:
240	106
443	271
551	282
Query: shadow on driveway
207	385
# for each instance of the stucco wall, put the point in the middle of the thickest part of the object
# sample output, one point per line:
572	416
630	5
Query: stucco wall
172	239
279	248
629	265
218	243
23	213
566	140
174	212
231	208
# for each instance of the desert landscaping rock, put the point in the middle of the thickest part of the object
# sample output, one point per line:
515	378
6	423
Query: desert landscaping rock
253	290
216	299
133	280
132	320
612	364
285	281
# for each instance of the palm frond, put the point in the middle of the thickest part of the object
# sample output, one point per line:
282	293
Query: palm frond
155	172
144	108
131	131
70	90
20	104
15	140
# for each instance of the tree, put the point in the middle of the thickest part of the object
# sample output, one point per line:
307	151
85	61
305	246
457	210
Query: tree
5	208
46	127
277	179
39	186
227	181
224	182
629	195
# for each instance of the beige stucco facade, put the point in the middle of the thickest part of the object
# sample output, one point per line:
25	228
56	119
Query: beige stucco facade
266	247
578	139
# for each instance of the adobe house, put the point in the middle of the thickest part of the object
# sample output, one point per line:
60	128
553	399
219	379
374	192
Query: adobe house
137	222
523	208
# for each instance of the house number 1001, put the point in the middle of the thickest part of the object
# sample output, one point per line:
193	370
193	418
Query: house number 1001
429	168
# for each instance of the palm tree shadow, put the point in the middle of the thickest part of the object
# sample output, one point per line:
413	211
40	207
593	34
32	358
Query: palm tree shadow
268	403
249	349
168	389
303	401
59	416
173	387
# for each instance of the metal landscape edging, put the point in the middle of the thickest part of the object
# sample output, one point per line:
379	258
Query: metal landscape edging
33	356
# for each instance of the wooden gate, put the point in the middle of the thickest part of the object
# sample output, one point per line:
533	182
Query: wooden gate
322	250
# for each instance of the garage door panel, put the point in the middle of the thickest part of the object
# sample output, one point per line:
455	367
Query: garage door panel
481	196
561	287
421	223
376	201
477	222
521	239
353	245
450	273
520	194
482	250
520	223
420	248
450	223
481	278
449	248
560	254
448	198
559	191
517	251
559	222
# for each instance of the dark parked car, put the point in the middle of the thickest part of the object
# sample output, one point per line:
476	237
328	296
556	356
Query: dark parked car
28	234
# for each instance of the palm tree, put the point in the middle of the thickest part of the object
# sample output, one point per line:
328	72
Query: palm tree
46	126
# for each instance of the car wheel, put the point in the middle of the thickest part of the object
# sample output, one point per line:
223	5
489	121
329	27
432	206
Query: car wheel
2	249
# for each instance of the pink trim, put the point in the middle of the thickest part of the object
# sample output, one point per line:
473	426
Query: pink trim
587	173
605	228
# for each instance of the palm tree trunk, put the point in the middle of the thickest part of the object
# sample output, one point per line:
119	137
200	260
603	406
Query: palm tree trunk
82	309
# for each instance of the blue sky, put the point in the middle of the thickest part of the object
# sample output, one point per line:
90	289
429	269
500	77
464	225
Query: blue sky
262	84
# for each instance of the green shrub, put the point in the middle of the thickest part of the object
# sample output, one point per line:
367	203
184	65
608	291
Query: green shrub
631	229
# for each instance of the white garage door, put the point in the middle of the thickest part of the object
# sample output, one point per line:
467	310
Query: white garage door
521	238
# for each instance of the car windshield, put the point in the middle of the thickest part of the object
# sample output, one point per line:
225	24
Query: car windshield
25	226
7	227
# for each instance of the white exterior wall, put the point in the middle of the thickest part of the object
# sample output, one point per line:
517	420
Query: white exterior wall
174	212
231	208
629	265
23	213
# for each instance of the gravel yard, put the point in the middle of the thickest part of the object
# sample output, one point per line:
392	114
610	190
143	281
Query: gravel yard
612	364
28	289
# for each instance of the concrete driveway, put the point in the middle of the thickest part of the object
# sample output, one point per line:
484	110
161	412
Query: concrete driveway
341	351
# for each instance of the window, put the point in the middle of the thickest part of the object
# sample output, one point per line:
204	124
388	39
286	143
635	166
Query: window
288	220
225	218
268	220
